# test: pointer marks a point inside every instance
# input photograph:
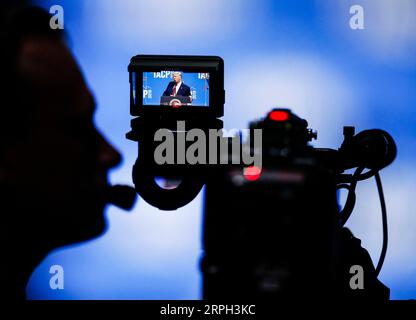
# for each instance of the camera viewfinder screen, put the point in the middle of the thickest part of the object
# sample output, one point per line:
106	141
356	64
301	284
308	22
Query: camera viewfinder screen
176	88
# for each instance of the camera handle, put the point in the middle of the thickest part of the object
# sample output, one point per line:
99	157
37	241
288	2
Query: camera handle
145	171
165	199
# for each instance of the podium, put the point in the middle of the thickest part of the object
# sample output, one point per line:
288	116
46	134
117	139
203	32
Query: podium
175	101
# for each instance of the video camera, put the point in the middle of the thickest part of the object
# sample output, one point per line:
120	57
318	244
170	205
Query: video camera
272	228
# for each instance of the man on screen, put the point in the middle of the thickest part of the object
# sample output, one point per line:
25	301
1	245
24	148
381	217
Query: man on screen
177	87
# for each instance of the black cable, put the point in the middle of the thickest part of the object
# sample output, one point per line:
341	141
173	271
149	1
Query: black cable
366	175
385	230
349	203
351	198
357	177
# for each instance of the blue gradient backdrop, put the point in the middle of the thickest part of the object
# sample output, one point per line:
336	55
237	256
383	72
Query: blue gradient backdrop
298	54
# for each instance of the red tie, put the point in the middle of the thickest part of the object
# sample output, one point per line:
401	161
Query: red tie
174	90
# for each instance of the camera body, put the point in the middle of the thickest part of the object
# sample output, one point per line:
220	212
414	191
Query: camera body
276	233
273	230
271	234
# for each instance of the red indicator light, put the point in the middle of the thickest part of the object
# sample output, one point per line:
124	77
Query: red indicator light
279	115
252	173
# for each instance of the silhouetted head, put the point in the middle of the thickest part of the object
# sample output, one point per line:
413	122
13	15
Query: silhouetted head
53	161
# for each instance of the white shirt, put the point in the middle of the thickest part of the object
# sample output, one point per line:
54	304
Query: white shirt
178	85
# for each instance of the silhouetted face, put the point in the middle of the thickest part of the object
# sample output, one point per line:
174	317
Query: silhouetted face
62	167
177	77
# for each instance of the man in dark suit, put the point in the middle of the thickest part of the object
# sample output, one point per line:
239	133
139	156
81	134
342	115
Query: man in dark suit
177	87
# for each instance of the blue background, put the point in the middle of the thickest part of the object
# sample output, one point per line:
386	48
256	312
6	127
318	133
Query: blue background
158	86
297	54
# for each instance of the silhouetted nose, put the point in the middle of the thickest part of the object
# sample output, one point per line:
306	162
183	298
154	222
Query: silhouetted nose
108	156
